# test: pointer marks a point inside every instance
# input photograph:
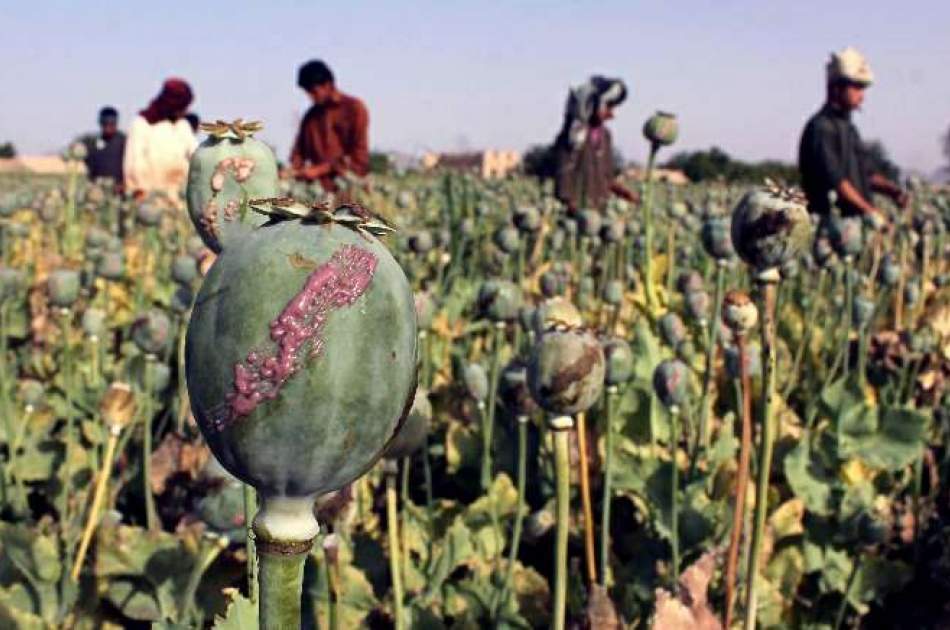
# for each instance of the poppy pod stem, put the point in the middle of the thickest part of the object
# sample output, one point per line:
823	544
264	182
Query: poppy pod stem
284	530
648	230
609	402
585	499
560	427
674	495
767	282
390	470
519	513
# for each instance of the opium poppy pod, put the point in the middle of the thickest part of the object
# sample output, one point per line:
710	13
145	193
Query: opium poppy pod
661	129
769	228
301	356
566	370
226	169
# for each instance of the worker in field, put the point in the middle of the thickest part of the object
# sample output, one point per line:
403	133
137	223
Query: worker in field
104	152
333	138
160	143
585	172
831	156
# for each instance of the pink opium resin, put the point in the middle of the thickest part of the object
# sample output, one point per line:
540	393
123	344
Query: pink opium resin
295	333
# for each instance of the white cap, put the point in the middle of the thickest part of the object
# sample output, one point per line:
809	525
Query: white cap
849	65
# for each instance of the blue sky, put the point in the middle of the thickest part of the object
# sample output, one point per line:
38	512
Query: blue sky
744	75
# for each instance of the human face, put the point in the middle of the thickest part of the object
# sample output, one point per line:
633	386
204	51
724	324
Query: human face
321	94
109	128
849	95
604	114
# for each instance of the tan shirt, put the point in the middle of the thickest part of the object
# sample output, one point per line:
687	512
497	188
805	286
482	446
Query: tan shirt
156	156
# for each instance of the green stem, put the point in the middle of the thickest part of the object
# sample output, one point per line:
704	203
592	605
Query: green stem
849	299
560	427
392	524
809	327
519	515
207	554
648	231
674	497
250	508
612	391
767	289
284	530
712	338
843	609
487	434
151	515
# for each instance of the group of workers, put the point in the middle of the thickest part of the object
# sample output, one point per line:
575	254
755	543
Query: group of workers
332	141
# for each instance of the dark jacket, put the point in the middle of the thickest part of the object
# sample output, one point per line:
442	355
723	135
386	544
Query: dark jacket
831	151
104	157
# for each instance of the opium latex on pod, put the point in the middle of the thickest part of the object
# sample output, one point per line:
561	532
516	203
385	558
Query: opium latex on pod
228	168
301	356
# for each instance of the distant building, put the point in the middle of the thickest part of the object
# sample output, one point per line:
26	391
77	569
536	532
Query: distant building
488	164
669	175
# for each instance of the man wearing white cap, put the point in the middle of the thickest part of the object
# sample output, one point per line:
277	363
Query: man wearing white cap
831	156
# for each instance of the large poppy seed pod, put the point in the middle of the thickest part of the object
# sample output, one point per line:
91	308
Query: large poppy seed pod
527	219
301	358
421	242
508	239
222	507
184	269
63	286
476	381
110	266
846	235
412	435
566	370
152	332
698	305
752	357
149	214
661	129
94	322
671	382
228	167
589	223
672	329
739	312
769	228
424	305
513	390
619	358
612	293
862	310
499	300
11	283
688	282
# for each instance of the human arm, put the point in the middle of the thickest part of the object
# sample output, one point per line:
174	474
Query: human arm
623	192
883	185
356	158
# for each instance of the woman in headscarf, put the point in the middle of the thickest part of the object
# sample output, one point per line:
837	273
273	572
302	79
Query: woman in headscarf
585	173
160	142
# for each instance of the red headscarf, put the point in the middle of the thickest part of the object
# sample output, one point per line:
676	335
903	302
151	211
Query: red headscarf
175	96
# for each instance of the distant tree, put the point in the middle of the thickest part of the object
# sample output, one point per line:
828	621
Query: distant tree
7	150
379	163
538	161
946	152
880	161
716	164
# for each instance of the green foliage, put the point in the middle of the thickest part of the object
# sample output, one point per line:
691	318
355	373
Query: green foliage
7	150
715	164
379	163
